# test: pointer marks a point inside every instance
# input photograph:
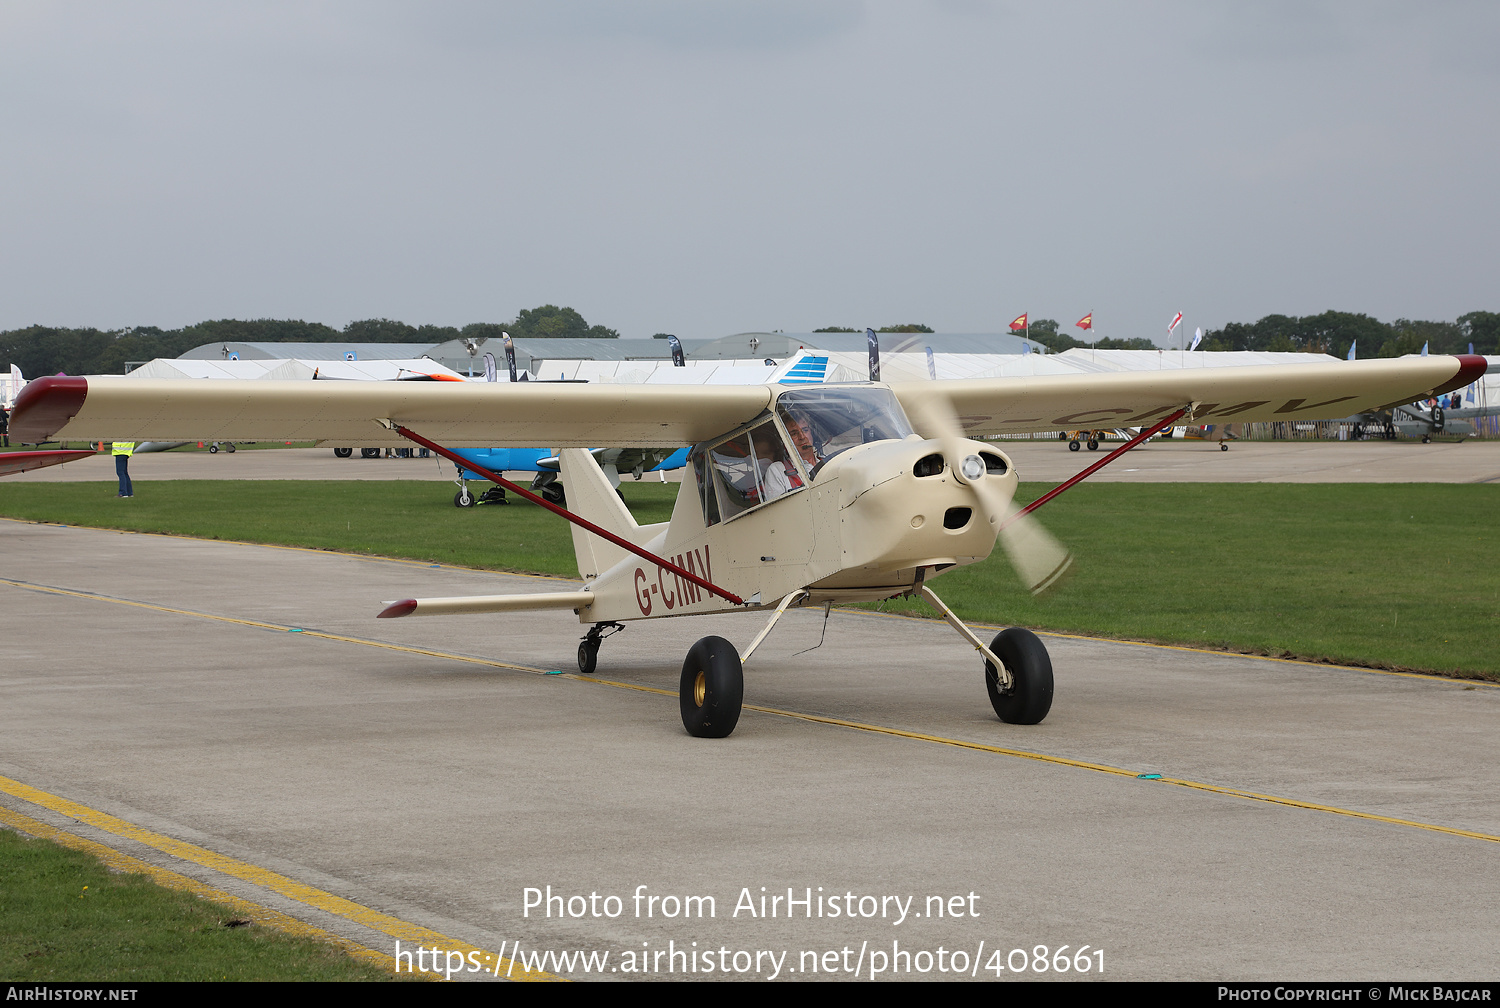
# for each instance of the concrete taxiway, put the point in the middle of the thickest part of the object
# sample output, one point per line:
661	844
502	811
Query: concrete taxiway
1310	822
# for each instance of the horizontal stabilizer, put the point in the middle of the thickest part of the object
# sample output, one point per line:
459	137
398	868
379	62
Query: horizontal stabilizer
487	604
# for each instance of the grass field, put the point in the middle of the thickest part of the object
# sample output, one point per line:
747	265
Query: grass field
1391	575
69	918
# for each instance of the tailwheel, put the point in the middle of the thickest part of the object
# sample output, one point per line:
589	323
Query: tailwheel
712	689
1223	446
1029	697
588	648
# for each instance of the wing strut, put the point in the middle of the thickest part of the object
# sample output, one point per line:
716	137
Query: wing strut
499	480
1106	460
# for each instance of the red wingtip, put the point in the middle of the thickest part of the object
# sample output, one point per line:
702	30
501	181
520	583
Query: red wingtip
45	406
403	608
1471	368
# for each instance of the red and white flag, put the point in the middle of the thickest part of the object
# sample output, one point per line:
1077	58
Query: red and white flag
1019	323
1087	322
1176	320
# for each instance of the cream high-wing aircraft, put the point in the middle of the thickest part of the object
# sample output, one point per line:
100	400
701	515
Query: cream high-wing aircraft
794	495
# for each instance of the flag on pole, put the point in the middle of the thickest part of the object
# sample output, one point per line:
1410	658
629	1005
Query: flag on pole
1197	338
1087	322
1352	345
1176	321
1019	323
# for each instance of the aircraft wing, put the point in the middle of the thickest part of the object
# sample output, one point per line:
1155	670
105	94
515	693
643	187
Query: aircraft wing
568	415
477	414
24	461
1224	395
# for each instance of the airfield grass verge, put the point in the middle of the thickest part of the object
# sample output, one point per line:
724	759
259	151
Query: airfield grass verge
1400	576
69	918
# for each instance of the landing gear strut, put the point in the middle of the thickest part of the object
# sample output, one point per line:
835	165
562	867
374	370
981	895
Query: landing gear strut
1017	670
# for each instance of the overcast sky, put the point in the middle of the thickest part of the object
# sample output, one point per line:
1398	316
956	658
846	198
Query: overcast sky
705	167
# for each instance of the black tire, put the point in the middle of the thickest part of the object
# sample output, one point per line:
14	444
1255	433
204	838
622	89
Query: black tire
1223	446
462	500
229	448
1093	444
213	449
1073	446
553	493
712	689
342	452
1025	657
369	453
588	656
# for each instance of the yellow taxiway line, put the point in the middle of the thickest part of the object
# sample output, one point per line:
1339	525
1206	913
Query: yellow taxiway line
311	896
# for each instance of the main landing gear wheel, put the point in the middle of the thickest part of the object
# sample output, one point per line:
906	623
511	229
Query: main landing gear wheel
1073	446
1093	444
712	690
1030	695
342	452
463	499
213	449
369	453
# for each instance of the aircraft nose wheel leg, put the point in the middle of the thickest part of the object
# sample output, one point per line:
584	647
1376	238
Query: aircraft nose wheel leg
1021	692
1029	696
588	648
712	689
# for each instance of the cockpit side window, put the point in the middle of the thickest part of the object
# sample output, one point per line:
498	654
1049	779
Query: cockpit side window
742	472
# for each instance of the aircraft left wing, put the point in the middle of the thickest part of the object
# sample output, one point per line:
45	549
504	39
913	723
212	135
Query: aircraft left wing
479	414
1315	391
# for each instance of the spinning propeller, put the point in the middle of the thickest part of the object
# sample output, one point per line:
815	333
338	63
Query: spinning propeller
1037	556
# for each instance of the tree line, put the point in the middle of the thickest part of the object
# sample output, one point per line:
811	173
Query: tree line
44	350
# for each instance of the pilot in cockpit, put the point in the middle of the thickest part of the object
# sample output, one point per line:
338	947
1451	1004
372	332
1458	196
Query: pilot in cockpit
778	474
800	429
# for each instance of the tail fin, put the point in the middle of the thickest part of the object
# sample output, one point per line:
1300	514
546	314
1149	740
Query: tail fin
591	496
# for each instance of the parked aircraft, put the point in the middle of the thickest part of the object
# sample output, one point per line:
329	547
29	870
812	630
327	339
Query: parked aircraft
546	465
1425	422
796	495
